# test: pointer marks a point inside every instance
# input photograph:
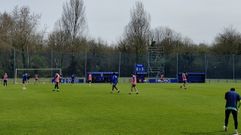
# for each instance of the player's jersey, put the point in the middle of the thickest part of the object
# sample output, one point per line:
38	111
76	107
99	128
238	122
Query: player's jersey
24	77
162	77
232	98
72	77
114	79
133	80
5	77
57	78
36	77
184	78
90	77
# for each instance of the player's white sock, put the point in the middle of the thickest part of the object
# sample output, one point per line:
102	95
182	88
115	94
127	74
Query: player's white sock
225	128
236	131
137	91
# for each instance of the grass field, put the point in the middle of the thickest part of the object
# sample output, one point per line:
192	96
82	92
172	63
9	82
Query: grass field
159	109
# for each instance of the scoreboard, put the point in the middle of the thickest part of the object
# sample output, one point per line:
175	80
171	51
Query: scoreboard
140	73
140	68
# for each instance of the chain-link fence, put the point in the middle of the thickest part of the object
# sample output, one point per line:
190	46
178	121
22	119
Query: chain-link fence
215	66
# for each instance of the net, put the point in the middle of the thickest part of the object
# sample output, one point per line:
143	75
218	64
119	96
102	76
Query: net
40	75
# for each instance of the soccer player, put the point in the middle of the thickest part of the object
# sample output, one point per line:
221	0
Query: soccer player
232	106
5	79
57	79
28	77
24	80
72	78
89	79
184	80
114	81
133	84
36	78
162	77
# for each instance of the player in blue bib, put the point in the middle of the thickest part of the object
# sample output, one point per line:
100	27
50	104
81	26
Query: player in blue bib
24	80
232	106
114	81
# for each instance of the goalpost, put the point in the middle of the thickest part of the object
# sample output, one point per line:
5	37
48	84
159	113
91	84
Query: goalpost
27	70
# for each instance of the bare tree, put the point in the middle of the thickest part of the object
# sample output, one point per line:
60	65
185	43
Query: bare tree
73	23
137	32
57	42
228	42
6	24
23	30
73	19
167	38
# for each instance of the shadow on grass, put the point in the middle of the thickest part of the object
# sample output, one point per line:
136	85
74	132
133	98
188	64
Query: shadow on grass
220	132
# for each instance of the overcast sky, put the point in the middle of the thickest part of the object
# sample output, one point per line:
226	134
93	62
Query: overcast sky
201	20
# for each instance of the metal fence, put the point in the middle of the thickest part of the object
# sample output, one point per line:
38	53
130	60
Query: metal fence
215	66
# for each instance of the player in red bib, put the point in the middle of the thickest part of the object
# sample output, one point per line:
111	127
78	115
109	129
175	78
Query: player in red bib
36	78
89	79
133	84
57	79
5	79
162	77
184	80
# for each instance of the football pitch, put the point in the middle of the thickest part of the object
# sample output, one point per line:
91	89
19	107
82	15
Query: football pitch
79	109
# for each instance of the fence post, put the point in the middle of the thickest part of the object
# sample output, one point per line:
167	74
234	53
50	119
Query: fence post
233	67
205	65
119	64
148	63
177	66
86	63
14	64
51	61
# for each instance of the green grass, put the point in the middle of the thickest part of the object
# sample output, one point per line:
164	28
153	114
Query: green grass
159	109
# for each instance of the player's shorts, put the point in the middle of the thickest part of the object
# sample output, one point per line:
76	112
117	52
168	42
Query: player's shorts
5	81
89	81
133	85
184	81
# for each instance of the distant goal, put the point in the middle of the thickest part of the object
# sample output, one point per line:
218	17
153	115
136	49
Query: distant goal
44	74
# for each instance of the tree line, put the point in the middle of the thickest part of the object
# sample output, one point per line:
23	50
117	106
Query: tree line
21	39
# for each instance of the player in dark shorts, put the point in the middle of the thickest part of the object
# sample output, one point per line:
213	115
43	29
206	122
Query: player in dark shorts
36	78
24	80
57	80
5	79
114	81
72	78
133	84
232	106
89	79
162	77
184	80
